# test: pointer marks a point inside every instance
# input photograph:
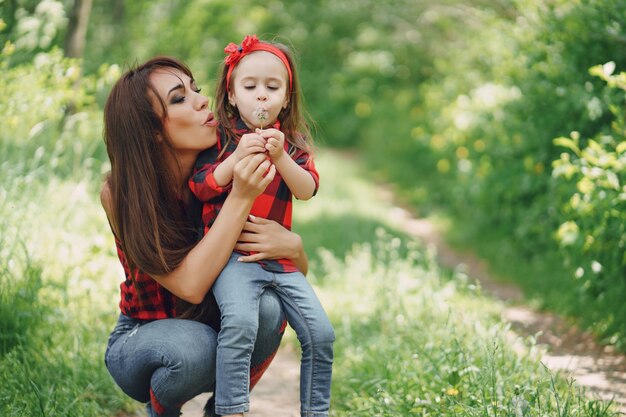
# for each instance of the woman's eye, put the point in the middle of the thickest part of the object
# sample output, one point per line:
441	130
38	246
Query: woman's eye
178	99
249	87
272	87
197	90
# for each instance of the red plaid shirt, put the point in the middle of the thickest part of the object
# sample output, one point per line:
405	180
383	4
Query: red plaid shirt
275	203
142	296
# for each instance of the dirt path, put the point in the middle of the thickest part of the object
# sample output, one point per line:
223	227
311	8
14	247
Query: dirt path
599	369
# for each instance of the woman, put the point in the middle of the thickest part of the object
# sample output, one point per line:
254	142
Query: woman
156	123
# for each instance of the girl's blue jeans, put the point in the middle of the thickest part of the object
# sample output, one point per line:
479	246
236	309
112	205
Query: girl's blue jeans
237	291
173	360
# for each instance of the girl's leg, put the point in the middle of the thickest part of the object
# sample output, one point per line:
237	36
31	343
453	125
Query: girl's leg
271	329
163	362
237	291
316	335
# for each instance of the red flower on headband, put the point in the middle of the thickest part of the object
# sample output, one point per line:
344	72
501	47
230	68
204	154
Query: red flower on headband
236	52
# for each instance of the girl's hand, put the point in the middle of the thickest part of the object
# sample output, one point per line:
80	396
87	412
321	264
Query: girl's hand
250	143
275	142
252	175
271	241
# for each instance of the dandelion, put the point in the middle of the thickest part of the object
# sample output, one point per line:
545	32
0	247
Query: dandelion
261	115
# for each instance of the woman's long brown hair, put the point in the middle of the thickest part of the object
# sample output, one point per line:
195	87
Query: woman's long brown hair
148	219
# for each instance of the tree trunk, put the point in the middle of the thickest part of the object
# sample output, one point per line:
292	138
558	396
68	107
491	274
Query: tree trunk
77	28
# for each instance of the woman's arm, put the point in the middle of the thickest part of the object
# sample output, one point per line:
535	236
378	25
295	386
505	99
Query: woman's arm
271	241
195	275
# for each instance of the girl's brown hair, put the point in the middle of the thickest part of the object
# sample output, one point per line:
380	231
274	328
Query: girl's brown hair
146	215
295	123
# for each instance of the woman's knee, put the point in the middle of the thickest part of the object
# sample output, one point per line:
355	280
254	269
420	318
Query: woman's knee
177	353
271	327
187	359
271	315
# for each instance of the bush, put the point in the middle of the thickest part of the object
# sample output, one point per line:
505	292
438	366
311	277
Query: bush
476	137
593	232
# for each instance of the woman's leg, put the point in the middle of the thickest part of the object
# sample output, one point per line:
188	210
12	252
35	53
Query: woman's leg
163	362
271	329
316	335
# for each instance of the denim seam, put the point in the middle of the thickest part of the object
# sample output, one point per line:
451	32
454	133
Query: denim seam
310	332
231	409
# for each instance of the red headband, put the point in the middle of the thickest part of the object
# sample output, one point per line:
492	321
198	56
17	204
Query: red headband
251	44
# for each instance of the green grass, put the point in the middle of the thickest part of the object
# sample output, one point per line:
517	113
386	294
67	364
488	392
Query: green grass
58	295
414	339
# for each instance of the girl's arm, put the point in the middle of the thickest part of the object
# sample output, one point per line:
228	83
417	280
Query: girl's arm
223	173
298	179
271	241
195	275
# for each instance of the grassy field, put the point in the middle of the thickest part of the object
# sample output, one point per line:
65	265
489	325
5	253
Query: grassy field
412	339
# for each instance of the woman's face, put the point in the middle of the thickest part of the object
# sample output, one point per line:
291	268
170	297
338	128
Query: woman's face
259	87
190	125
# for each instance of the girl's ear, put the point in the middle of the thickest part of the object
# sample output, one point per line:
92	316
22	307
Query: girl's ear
231	99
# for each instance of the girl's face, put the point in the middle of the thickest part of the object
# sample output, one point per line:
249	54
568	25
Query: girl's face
259	87
190	125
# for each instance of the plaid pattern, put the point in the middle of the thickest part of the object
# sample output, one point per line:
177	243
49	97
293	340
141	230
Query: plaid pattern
145	298
275	203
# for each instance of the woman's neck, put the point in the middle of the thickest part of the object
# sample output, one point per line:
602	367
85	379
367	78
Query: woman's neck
181	165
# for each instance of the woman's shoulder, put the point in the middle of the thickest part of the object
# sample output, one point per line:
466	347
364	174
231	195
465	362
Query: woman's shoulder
106	199
106	196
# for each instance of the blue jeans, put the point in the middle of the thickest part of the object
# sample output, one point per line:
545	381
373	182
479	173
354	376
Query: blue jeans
174	360
237	291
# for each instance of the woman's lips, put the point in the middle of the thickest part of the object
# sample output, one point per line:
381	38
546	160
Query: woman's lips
210	120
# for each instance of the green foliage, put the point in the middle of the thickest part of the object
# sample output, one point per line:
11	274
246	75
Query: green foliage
413	341
593	235
50	117
476	137
457	101
55	312
20	310
28	27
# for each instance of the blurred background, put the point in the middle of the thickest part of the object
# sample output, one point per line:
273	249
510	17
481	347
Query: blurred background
506	118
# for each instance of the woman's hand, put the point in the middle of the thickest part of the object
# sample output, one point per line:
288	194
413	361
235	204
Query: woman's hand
271	241
252	175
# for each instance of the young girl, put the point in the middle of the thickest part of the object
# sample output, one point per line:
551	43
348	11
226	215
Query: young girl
258	106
